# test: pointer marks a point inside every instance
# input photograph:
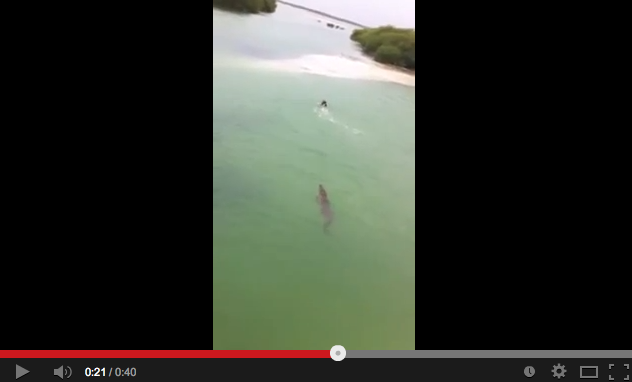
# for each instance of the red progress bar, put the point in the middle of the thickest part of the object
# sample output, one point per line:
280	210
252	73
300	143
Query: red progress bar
164	354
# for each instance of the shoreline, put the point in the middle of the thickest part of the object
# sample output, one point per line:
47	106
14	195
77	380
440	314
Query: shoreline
395	68
322	13
314	11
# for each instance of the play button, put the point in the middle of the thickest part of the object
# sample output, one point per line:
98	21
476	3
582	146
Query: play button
20	371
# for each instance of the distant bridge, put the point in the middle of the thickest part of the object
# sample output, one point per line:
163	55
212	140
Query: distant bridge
322	14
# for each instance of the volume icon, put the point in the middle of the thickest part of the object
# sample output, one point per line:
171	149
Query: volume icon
63	371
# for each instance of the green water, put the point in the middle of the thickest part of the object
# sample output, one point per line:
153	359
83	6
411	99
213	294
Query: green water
279	281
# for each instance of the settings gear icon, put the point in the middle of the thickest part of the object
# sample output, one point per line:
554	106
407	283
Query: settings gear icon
558	371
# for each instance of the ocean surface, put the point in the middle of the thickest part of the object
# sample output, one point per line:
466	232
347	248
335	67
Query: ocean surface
279	281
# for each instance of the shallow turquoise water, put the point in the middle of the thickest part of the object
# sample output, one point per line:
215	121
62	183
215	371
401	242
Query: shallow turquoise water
279	282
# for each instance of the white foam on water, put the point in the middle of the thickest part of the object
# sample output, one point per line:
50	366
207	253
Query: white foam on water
325	114
340	67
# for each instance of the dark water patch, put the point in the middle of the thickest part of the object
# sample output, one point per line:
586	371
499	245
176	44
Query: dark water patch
317	152
256	50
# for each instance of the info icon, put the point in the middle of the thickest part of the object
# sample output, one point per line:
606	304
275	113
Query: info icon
338	353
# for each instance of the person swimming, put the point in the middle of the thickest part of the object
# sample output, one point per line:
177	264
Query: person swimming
323	103
325	207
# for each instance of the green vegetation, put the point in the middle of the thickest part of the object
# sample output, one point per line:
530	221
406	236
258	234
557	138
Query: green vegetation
247	6
388	45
